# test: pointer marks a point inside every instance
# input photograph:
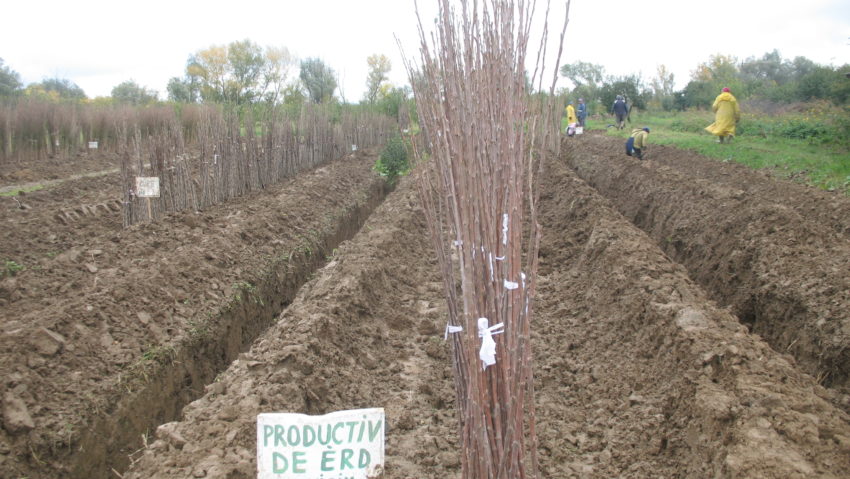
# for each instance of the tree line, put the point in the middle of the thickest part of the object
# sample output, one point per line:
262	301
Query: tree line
770	78
241	73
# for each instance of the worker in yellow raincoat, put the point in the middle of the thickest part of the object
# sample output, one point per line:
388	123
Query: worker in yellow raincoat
726	115
571	114
571	119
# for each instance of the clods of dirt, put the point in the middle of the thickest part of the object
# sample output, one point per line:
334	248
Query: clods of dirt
107	332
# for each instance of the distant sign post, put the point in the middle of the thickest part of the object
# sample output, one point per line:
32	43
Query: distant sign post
339	445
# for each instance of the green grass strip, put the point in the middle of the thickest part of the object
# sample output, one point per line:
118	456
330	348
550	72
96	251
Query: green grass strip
17	191
821	165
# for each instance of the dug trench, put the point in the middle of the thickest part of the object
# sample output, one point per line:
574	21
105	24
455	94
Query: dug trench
113	335
637	372
777	257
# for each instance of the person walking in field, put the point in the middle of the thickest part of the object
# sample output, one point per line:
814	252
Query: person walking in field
636	144
620	110
581	112
726	116
571	119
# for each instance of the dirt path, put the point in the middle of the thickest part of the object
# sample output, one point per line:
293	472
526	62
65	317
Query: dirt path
33	171
638	374
785	274
48	183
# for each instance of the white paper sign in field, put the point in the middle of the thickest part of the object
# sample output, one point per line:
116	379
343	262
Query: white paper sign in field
147	186
339	445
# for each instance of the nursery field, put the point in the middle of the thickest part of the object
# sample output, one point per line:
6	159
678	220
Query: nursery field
692	320
107	331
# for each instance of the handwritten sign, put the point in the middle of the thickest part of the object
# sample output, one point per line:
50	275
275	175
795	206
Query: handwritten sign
339	445
147	186
93	145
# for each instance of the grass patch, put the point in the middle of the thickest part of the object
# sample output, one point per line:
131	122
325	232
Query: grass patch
820	164
11	268
17	191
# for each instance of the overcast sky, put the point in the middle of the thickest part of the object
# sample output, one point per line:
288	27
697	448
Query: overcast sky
98	44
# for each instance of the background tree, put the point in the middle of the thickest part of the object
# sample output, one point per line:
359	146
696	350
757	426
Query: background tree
631	87
587	79
662	86
719	69
800	67
10	80
391	99
210	69
275	73
318	79
245	63
56	89
179	91
379	66
293	98
192	80
770	68
583	73
824	83
131	93
770	78
712	76
239	73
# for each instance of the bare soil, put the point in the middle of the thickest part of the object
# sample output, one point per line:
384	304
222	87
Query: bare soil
46	169
825	207
107	332
778	258
638	373
640	370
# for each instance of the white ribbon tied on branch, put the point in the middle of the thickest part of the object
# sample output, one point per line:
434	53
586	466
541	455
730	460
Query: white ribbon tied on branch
451	330
488	345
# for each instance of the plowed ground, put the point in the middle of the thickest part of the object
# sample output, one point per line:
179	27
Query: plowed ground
107	332
642	367
774	252
638	373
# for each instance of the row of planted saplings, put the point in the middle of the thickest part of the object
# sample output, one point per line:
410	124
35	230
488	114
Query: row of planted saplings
232	155
38	130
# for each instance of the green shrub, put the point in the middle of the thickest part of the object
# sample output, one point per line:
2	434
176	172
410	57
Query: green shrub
818	128
393	161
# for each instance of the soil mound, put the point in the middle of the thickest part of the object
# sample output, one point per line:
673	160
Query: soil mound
783	271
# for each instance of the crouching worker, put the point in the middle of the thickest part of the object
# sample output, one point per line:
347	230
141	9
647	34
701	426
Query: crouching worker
637	142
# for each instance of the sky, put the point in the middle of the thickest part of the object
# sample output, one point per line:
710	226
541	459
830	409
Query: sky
99	44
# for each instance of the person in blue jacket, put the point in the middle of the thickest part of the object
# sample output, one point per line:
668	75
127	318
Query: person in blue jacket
581	112
620	109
